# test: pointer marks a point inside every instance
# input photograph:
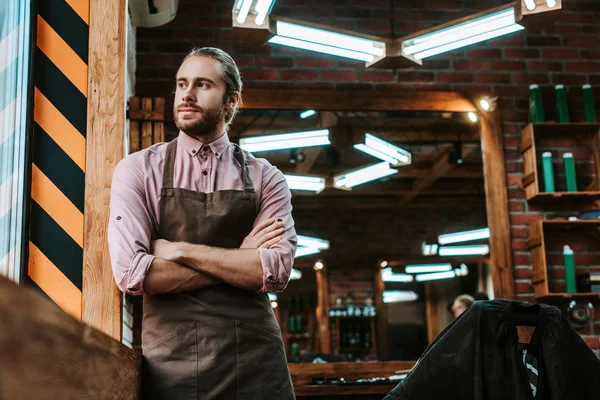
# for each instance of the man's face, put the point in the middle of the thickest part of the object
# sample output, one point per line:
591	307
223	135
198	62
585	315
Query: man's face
200	105
458	307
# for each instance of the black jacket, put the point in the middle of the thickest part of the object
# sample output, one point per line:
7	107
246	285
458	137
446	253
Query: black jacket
478	357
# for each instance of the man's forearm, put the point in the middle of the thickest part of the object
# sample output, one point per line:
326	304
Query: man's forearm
237	267
166	276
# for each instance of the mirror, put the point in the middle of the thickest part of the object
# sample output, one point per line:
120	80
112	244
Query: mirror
356	299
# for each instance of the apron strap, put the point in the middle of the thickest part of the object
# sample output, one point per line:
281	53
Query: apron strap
239	156
169	166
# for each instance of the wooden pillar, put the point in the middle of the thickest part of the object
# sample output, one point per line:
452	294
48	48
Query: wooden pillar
496	195
381	316
105	148
322	312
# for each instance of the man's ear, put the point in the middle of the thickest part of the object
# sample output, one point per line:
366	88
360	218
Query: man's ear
233	101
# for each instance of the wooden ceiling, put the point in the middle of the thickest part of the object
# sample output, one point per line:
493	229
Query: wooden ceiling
429	136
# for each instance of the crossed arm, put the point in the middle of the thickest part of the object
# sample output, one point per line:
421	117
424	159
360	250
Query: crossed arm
180	266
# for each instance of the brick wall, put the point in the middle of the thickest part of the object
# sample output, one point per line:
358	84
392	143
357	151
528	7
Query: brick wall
567	53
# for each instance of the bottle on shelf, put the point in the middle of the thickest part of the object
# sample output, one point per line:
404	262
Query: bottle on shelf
570	276
548	171
570	177
562	108
588	102
536	104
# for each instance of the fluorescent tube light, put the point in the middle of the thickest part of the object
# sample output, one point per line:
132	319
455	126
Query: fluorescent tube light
308	183
363	175
261	9
551	3
306	251
462	34
422	268
286	141
384	151
309	241
243	11
462	271
323	41
435	276
475	250
464	236
387	275
295	274
272	296
429	249
307	113
398	296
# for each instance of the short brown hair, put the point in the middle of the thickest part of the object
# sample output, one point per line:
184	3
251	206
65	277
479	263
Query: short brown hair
230	73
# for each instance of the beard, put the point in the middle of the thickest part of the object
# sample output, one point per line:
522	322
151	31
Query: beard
203	123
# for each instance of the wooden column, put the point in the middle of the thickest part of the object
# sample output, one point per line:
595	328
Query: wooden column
322	312
492	144
382	323
105	148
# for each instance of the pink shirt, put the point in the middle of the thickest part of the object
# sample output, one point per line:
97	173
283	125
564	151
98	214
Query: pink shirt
135	205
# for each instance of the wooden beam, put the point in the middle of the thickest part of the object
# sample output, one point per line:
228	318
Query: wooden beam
311	156
492	143
322	312
384	203
467	170
47	354
383	353
105	138
303	99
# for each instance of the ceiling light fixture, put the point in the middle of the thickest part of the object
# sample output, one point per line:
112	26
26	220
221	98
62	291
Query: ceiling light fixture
286	141
435	276
399	296
306	183
367	174
474	250
429	249
424	268
319	266
461	34
383	264
464	236
551	3
472	116
488	103
462	271
307	113
530	5
323	41
385	151
243	9
295	274
387	275
306	251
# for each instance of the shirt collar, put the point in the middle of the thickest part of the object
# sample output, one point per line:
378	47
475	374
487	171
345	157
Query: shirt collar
193	146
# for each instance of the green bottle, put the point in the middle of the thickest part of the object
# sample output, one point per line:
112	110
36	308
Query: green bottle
562	108
536	104
291	323
570	172
570	276
588	101
548	171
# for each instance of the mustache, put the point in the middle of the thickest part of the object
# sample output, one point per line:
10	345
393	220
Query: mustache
187	105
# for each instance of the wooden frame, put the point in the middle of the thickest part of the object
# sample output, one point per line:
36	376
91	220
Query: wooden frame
490	135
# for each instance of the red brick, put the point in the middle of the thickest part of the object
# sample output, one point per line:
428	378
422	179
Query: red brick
590	54
523	273
578	42
466	65
492	78
519	245
514	180
145	60
338	75
415	76
315	85
544	66
523	287
528	79
484	53
519	54
259	74
559	54
274	62
569	79
516	206
586	259
454	77
310	62
377	76
512	66
574	66
443	4
298	75
519	232
524	219
543	41
593	342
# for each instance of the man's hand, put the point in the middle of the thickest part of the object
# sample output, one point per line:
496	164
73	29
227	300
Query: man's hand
264	235
164	249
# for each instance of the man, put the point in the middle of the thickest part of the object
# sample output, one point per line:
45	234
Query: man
204	230
461	304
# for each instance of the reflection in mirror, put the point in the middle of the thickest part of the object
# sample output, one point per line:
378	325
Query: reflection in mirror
381	199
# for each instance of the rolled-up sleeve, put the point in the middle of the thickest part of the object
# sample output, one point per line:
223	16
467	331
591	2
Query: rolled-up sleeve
276	201
129	227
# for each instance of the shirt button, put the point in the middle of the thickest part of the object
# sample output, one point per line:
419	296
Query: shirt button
204	173
194	151
205	148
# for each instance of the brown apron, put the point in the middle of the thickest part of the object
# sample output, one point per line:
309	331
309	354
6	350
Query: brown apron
220	342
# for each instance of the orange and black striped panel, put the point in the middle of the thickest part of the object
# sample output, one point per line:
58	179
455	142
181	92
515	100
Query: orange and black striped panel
58	170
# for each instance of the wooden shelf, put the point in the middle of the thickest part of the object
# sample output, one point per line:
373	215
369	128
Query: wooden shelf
584	133
537	246
544	197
